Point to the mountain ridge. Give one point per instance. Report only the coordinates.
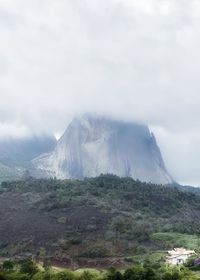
(16, 154)
(116, 216)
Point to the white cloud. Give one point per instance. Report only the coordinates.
(13, 130)
(181, 152)
(131, 59)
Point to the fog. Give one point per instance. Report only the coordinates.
(129, 59)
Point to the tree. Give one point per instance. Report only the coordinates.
(86, 275)
(8, 265)
(29, 267)
(2, 276)
(135, 273)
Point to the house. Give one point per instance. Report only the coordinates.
(179, 256)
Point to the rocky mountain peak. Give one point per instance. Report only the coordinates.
(93, 145)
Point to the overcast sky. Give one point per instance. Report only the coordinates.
(131, 59)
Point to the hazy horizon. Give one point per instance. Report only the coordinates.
(130, 60)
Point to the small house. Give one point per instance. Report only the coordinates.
(179, 256)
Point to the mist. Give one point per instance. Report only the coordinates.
(131, 60)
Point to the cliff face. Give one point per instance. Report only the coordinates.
(92, 146)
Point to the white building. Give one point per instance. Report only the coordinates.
(179, 256)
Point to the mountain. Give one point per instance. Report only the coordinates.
(8, 173)
(21, 151)
(16, 154)
(94, 145)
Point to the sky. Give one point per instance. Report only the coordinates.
(129, 59)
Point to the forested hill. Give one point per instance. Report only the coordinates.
(97, 217)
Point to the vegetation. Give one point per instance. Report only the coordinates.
(103, 217)
(169, 239)
(27, 270)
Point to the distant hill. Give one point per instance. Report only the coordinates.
(95, 217)
(19, 152)
(16, 154)
(9, 173)
(93, 145)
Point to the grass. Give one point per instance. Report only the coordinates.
(79, 271)
(157, 256)
(93, 271)
(172, 239)
(168, 240)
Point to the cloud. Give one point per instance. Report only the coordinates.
(14, 130)
(137, 60)
(181, 153)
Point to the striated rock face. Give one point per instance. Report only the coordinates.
(92, 146)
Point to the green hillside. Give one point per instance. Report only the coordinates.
(97, 218)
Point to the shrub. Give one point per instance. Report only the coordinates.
(8, 265)
(95, 252)
(29, 267)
